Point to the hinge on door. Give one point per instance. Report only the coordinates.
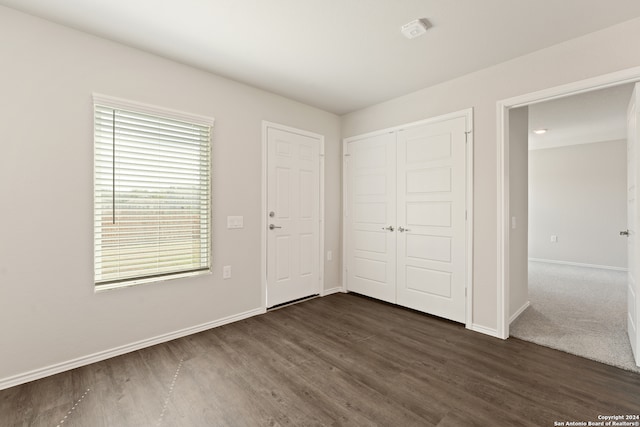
(465, 215)
(466, 137)
(465, 292)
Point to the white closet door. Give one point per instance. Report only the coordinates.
(371, 198)
(431, 218)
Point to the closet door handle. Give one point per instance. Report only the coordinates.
(401, 229)
(390, 228)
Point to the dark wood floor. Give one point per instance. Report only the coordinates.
(338, 360)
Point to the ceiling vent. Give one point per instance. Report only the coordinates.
(414, 28)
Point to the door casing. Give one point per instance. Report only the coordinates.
(633, 245)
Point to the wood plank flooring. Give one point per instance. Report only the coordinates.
(338, 360)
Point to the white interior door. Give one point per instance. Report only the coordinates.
(431, 204)
(293, 204)
(371, 217)
(633, 220)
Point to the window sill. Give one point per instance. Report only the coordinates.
(135, 282)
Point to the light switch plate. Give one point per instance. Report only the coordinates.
(226, 272)
(235, 222)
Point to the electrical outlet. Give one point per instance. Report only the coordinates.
(554, 239)
(329, 255)
(226, 272)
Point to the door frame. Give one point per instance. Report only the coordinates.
(266, 125)
(617, 78)
(468, 115)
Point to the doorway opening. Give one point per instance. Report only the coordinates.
(568, 260)
(511, 226)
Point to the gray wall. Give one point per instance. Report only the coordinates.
(592, 55)
(518, 201)
(578, 193)
(48, 309)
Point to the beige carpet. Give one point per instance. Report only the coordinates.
(578, 310)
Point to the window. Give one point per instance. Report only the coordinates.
(152, 193)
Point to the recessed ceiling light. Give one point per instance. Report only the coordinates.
(540, 131)
(415, 28)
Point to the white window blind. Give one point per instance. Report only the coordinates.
(152, 203)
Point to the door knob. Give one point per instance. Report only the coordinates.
(390, 228)
(401, 229)
(272, 227)
(624, 233)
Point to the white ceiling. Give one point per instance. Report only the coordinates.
(338, 55)
(595, 116)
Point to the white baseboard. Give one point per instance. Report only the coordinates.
(106, 354)
(519, 312)
(484, 330)
(331, 291)
(579, 264)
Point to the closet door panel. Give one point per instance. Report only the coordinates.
(431, 192)
(371, 210)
